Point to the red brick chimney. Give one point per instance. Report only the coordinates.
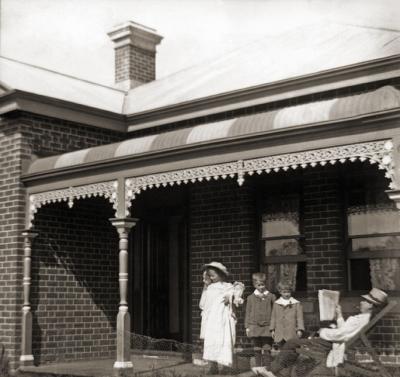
(135, 54)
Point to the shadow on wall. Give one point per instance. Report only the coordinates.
(74, 294)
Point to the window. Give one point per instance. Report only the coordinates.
(373, 252)
(283, 253)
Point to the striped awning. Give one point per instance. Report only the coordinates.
(384, 98)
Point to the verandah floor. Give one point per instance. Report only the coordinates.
(171, 366)
(143, 366)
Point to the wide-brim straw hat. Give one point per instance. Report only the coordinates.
(376, 296)
(219, 266)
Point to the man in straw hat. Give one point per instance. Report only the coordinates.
(285, 362)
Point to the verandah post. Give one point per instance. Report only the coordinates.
(26, 357)
(123, 365)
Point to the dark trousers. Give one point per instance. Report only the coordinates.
(288, 357)
(262, 348)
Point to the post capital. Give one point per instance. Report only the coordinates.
(395, 196)
(124, 223)
(29, 233)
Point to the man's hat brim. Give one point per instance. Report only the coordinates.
(376, 297)
(371, 300)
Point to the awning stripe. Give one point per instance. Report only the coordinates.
(210, 131)
(256, 123)
(134, 146)
(170, 139)
(384, 98)
(104, 152)
(303, 114)
(73, 158)
(381, 99)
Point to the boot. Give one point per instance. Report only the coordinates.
(266, 359)
(213, 368)
(258, 357)
(226, 371)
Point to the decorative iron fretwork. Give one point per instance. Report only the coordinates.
(107, 190)
(376, 152)
(135, 186)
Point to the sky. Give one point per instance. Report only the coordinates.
(70, 36)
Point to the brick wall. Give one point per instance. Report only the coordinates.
(46, 136)
(21, 135)
(74, 282)
(11, 225)
(323, 229)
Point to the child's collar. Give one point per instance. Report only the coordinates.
(258, 294)
(284, 302)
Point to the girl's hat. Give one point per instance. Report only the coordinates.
(376, 296)
(219, 266)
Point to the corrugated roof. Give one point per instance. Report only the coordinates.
(301, 51)
(32, 79)
(384, 98)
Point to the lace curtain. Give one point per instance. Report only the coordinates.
(378, 219)
(280, 224)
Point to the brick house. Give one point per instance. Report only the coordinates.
(281, 157)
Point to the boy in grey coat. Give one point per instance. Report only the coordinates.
(287, 316)
(258, 317)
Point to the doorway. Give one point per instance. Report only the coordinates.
(160, 274)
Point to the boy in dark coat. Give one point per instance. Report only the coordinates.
(258, 317)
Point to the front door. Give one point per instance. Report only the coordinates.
(160, 284)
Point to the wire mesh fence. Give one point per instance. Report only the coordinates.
(188, 354)
(244, 358)
(147, 343)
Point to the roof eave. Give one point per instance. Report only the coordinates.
(279, 135)
(5, 87)
(65, 110)
(373, 70)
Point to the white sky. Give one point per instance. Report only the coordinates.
(70, 36)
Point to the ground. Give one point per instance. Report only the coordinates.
(144, 366)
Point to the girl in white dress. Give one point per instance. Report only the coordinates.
(206, 282)
(218, 318)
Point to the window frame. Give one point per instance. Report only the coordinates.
(367, 255)
(264, 260)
